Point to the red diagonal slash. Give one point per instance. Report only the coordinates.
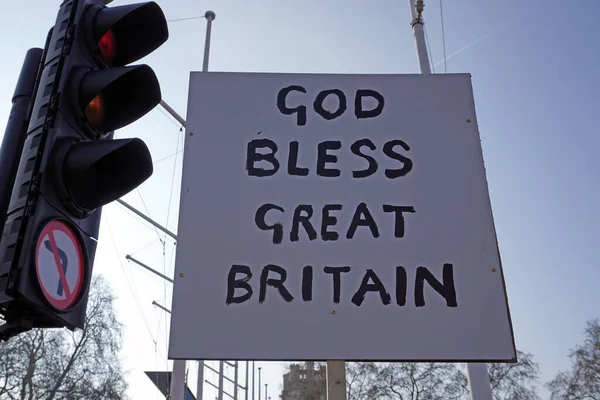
(61, 272)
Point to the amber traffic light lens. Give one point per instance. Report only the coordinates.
(94, 112)
(108, 46)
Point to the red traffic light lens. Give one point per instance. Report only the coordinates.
(95, 111)
(128, 33)
(108, 46)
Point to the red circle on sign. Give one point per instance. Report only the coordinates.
(55, 260)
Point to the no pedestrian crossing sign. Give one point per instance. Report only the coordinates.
(328, 216)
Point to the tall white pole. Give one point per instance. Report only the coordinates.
(479, 381)
(235, 380)
(477, 373)
(247, 383)
(336, 380)
(416, 10)
(259, 382)
(178, 380)
(200, 384)
(221, 372)
(210, 16)
(253, 379)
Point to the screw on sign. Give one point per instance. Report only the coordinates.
(59, 265)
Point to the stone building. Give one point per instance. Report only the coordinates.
(305, 382)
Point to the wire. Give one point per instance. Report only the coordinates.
(165, 301)
(158, 331)
(443, 38)
(172, 255)
(156, 365)
(167, 157)
(173, 178)
(148, 213)
(145, 247)
(169, 118)
(145, 223)
(167, 224)
(429, 50)
(185, 19)
(133, 293)
(165, 292)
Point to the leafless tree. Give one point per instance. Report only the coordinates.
(362, 381)
(515, 381)
(429, 381)
(56, 364)
(405, 381)
(582, 380)
(425, 381)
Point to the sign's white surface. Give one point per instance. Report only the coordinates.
(336, 217)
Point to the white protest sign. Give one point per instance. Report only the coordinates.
(336, 217)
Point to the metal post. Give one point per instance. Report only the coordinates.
(172, 112)
(336, 380)
(477, 373)
(210, 16)
(235, 381)
(259, 382)
(221, 372)
(479, 381)
(178, 380)
(147, 219)
(416, 10)
(247, 383)
(16, 128)
(216, 387)
(178, 376)
(154, 303)
(200, 384)
(141, 264)
(266, 390)
(224, 376)
(253, 379)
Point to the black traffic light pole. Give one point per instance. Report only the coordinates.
(16, 128)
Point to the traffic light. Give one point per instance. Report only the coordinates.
(71, 165)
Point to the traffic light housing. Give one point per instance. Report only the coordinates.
(71, 165)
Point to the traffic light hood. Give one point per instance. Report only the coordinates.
(113, 98)
(98, 172)
(127, 33)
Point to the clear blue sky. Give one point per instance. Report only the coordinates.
(536, 89)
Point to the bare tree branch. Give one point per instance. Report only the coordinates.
(54, 364)
(582, 380)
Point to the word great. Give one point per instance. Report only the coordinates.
(303, 215)
(275, 277)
